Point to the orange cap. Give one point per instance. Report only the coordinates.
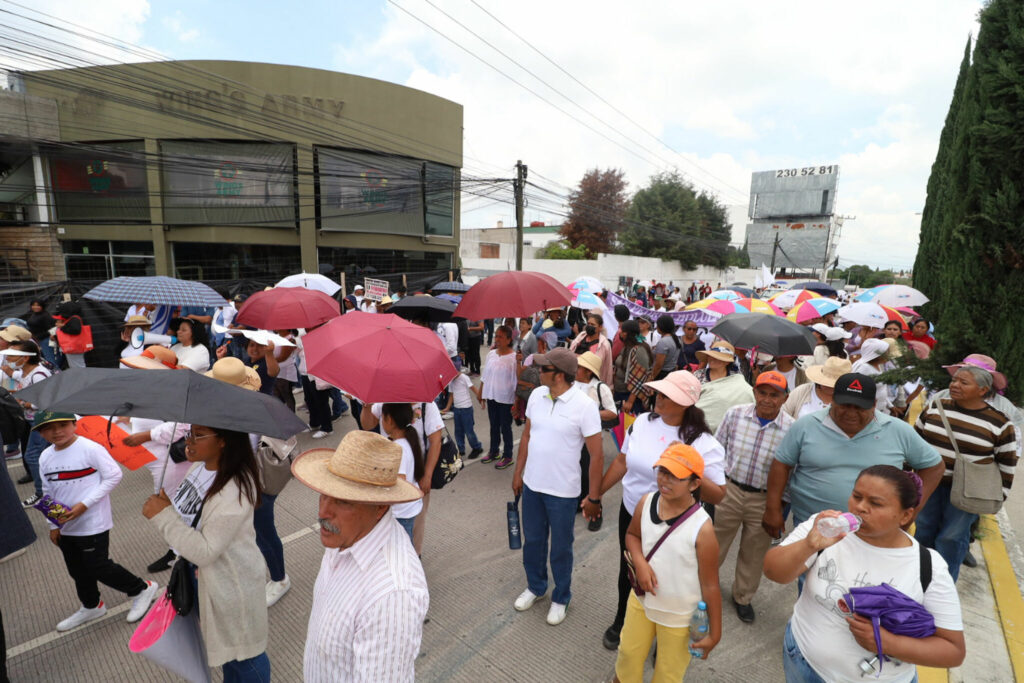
(773, 378)
(681, 460)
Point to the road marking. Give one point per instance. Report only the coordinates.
(1009, 602)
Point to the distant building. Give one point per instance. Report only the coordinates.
(499, 242)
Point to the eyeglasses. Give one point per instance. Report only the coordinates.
(547, 368)
(191, 436)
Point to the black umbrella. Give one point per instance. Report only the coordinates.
(173, 395)
(769, 333)
(456, 287)
(428, 308)
(817, 287)
(745, 291)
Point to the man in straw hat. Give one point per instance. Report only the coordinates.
(370, 596)
(560, 419)
(817, 394)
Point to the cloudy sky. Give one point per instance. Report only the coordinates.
(715, 90)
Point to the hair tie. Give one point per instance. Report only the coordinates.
(918, 485)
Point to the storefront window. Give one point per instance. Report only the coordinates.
(205, 261)
(102, 260)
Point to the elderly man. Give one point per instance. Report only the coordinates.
(370, 596)
(750, 435)
(560, 419)
(824, 452)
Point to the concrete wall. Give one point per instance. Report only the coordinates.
(45, 260)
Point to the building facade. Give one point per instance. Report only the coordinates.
(221, 169)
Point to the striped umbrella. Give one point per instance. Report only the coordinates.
(893, 295)
(811, 309)
(791, 297)
(725, 307)
(725, 294)
(700, 305)
(759, 306)
(156, 289)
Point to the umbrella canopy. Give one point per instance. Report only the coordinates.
(893, 295)
(791, 298)
(311, 281)
(588, 284)
(454, 298)
(701, 305)
(865, 313)
(724, 294)
(812, 308)
(769, 333)
(727, 307)
(287, 308)
(183, 396)
(745, 292)
(759, 306)
(156, 289)
(514, 294)
(429, 308)
(379, 358)
(454, 287)
(819, 287)
(896, 315)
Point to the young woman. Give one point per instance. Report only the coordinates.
(919, 333)
(593, 339)
(222, 548)
(667, 348)
(683, 571)
(498, 392)
(192, 347)
(27, 370)
(396, 420)
(628, 378)
(824, 641)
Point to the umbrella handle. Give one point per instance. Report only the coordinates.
(163, 472)
(126, 406)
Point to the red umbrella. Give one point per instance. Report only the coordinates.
(286, 308)
(379, 358)
(515, 294)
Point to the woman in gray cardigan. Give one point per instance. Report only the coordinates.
(222, 548)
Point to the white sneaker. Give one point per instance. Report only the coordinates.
(525, 600)
(277, 589)
(448, 416)
(556, 613)
(82, 616)
(142, 601)
(319, 434)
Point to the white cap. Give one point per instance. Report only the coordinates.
(830, 333)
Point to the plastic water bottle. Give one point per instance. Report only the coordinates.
(830, 527)
(699, 627)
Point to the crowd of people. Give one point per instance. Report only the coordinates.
(713, 442)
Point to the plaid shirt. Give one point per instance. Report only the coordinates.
(749, 447)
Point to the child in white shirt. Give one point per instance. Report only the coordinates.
(460, 401)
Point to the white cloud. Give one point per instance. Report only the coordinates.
(177, 25)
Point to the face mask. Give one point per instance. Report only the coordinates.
(590, 330)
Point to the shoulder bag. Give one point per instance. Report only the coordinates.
(606, 424)
(180, 587)
(449, 462)
(977, 487)
(631, 571)
(274, 457)
(75, 343)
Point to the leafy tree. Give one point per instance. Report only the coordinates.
(597, 211)
(972, 259)
(561, 250)
(669, 219)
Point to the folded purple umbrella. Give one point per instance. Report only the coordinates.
(892, 610)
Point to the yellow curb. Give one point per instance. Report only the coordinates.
(1009, 602)
(928, 675)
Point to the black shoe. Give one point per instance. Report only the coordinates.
(744, 612)
(27, 479)
(163, 564)
(595, 524)
(475, 453)
(970, 560)
(611, 637)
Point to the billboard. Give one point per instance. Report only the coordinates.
(100, 182)
(801, 244)
(793, 192)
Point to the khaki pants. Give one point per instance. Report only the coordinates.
(420, 525)
(741, 509)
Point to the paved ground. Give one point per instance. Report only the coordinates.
(473, 634)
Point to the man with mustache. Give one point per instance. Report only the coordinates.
(370, 596)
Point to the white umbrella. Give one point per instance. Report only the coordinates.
(894, 295)
(311, 281)
(866, 313)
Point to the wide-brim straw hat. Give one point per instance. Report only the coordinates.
(137, 321)
(720, 350)
(151, 357)
(234, 371)
(362, 469)
(983, 362)
(591, 361)
(141, 362)
(827, 374)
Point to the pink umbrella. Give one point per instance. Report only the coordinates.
(759, 306)
(513, 294)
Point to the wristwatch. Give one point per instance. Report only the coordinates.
(592, 501)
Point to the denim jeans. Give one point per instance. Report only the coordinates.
(49, 352)
(794, 665)
(36, 445)
(253, 670)
(266, 537)
(408, 523)
(946, 528)
(500, 417)
(464, 424)
(547, 516)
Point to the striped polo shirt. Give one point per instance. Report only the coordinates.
(983, 436)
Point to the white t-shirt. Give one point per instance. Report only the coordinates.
(498, 377)
(407, 468)
(813, 405)
(449, 335)
(82, 472)
(38, 375)
(645, 442)
(790, 376)
(462, 391)
(192, 357)
(433, 419)
(820, 628)
(557, 433)
(287, 368)
(190, 493)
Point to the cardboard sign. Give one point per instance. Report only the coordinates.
(94, 428)
(375, 289)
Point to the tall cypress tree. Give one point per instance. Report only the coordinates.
(974, 261)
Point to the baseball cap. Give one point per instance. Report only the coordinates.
(855, 389)
(681, 460)
(561, 358)
(831, 333)
(773, 378)
(47, 416)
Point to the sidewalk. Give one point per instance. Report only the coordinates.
(473, 634)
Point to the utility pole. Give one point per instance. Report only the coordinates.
(775, 247)
(517, 186)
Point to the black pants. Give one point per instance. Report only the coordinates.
(584, 474)
(624, 588)
(88, 562)
(283, 391)
(318, 405)
(473, 354)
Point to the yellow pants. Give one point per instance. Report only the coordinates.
(638, 632)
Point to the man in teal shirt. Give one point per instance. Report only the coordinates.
(822, 454)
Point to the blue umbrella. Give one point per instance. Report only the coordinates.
(157, 289)
(456, 287)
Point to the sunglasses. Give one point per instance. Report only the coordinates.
(547, 368)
